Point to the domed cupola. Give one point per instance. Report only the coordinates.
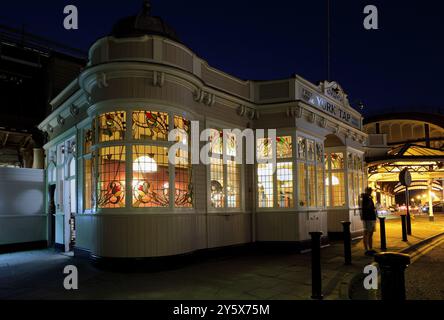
(143, 24)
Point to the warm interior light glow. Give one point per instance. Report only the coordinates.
(284, 174)
(145, 164)
(334, 180)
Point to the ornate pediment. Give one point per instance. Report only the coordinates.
(333, 90)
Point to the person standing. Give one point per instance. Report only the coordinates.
(368, 217)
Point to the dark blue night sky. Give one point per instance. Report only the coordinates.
(396, 68)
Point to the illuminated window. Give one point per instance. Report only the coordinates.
(150, 125)
(312, 185)
(230, 147)
(284, 147)
(265, 185)
(224, 178)
(216, 139)
(351, 189)
(112, 126)
(233, 184)
(264, 148)
(337, 160)
(150, 177)
(185, 126)
(357, 189)
(320, 187)
(183, 197)
(217, 183)
(111, 177)
(337, 189)
(87, 184)
(284, 177)
(302, 180)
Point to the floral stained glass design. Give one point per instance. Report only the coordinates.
(112, 126)
(111, 181)
(150, 177)
(337, 160)
(230, 147)
(284, 147)
(150, 125)
(217, 183)
(216, 140)
(183, 197)
(264, 148)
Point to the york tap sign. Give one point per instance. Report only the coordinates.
(336, 111)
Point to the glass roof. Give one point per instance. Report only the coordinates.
(415, 150)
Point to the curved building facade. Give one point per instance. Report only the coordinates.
(113, 192)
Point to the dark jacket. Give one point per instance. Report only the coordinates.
(368, 208)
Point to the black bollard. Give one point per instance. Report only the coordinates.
(404, 227)
(382, 233)
(347, 242)
(316, 276)
(392, 266)
(408, 224)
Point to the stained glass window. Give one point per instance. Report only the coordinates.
(87, 185)
(111, 177)
(225, 178)
(284, 147)
(185, 125)
(320, 186)
(233, 184)
(217, 183)
(183, 197)
(150, 125)
(302, 179)
(265, 185)
(264, 148)
(284, 175)
(312, 185)
(112, 126)
(150, 176)
(337, 160)
(230, 147)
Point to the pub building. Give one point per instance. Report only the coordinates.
(112, 192)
